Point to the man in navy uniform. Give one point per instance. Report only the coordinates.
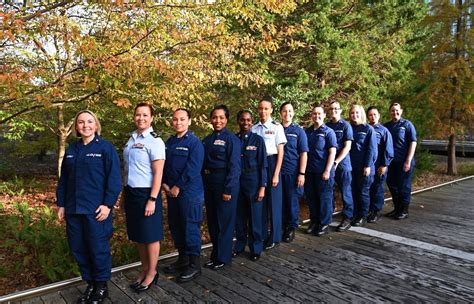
(253, 180)
(384, 158)
(183, 185)
(342, 163)
(292, 170)
(274, 137)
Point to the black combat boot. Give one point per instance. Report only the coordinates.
(101, 293)
(87, 295)
(192, 271)
(180, 264)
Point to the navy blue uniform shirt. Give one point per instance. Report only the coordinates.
(253, 157)
(344, 133)
(90, 177)
(403, 134)
(297, 143)
(222, 151)
(364, 147)
(320, 140)
(385, 146)
(184, 159)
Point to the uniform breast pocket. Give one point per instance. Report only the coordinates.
(401, 133)
(251, 158)
(180, 157)
(69, 161)
(93, 162)
(218, 152)
(320, 143)
(291, 142)
(339, 135)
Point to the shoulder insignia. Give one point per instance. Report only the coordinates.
(154, 134)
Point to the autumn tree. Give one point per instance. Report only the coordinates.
(446, 80)
(70, 55)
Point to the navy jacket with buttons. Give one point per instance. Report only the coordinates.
(254, 158)
(184, 158)
(90, 177)
(364, 147)
(222, 152)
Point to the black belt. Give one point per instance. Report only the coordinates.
(272, 156)
(214, 170)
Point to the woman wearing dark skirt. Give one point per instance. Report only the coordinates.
(144, 156)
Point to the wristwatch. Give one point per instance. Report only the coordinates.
(152, 198)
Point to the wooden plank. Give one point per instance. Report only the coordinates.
(36, 300)
(53, 298)
(71, 294)
(403, 273)
(257, 290)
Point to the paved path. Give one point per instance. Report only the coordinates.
(427, 258)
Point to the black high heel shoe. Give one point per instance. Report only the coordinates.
(136, 284)
(146, 287)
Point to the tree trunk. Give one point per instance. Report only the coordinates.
(452, 167)
(63, 132)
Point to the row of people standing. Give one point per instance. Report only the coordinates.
(247, 184)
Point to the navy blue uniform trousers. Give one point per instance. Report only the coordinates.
(361, 192)
(377, 191)
(220, 217)
(343, 179)
(249, 215)
(320, 196)
(89, 243)
(291, 194)
(399, 184)
(271, 215)
(184, 219)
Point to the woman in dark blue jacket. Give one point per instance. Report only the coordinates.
(221, 173)
(87, 190)
(182, 183)
(363, 156)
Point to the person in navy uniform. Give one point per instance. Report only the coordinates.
(385, 156)
(274, 137)
(400, 171)
(292, 171)
(184, 189)
(253, 180)
(221, 173)
(87, 190)
(144, 157)
(363, 156)
(342, 163)
(319, 184)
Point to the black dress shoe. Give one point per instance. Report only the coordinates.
(272, 245)
(359, 221)
(289, 235)
(344, 225)
(312, 227)
(135, 285)
(87, 295)
(254, 257)
(146, 287)
(192, 271)
(209, 264)
(217, 265)
(323, 229)
(101, 293)
(373, 217)
(402, 214)
(179, 265)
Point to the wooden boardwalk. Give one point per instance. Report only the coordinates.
(427, 258)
